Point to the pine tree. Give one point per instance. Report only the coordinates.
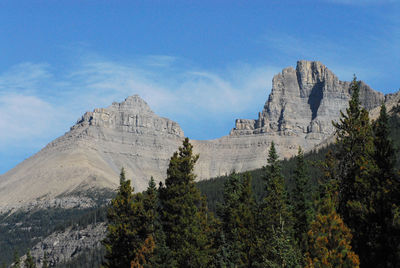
(357, 195)
(238, 222)
(329, 239)
(388, 187)
(275, 212)
(29, 261)
(182, 216)
(128, 226)
(302, 211)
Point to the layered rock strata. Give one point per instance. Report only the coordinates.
(91, 154)
(298, 112)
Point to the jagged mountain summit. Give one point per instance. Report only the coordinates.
(298, 112)
(304, 101)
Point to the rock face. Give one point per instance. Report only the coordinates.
(61, 247)
(298, 112)
(91, 154)
(304, 101)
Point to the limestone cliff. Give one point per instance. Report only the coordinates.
(298, 112)
(304, 101)
(90, 156)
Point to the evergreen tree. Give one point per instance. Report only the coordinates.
(144, 254)
(238, 222)
(357, 192)
(128, 226)
(29, 261)
(283, 252)
(182, 216)
(301, 201)
(162, 255)
(329, 239)
(16, 260)
(387, 232)
(275, 212)
(150, 203)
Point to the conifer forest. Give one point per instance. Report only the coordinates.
(341, 211)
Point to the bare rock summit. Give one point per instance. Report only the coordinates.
(298, 112)
(304, 101)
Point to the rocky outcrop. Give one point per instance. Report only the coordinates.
(61, 247)
(298, 112)
(90, 156)
(303, 103)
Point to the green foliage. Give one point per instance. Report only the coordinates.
(16, 260)
(162, 255)
(238, 216)
(275, 204)
(129, 226)
(357, 199)
(384, 220)
(29, 261)
(386, 232)
(183, 217)
(283, 250)
(301, 201)
(274, 213)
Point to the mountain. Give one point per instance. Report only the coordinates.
(298, 112)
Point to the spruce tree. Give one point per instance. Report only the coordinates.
(162, 255)
(357, 192)
(238, 221)
(387, 188)
(275, 213)
(128, 226)
(182, 214)
(301, 201)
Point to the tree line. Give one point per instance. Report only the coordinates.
(351, 219)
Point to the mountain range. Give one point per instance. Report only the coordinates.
(298, 112)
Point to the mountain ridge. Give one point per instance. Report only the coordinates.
(298, 112)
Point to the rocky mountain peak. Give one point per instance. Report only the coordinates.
(131, 115)
(304, 101)
(299, 111)
(132, 104)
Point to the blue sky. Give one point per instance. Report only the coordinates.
(200, 63)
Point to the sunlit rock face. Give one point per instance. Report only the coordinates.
(298, 112)
(304, 101)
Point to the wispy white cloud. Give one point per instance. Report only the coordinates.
(38, 104)
(25, 119)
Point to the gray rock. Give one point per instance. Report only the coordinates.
(304, 101)
(298, 112)
(61, 247)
